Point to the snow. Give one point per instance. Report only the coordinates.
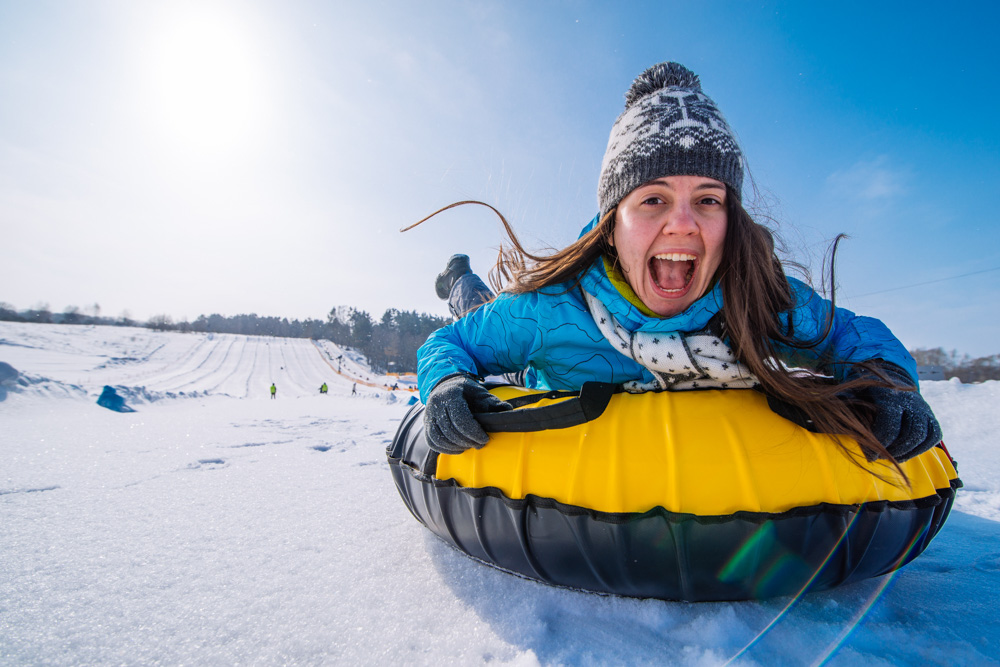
(217, 526)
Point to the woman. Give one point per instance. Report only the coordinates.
(673, 286)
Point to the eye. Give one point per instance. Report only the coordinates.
(710, 200)
(652, 200)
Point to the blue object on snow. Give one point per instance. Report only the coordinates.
(8, 376)
(112, 401)
(412, 401)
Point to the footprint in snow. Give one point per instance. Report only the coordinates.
(7, 492)
(208, 464)
(260, 444)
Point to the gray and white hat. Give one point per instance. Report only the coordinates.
(669, 128)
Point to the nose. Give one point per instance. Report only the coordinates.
(680, 220)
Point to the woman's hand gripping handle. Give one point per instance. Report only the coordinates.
(449, 424)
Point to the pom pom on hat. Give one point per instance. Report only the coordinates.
(670, 127)
(662, 75)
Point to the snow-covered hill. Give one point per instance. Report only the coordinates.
(216, 526)
(147, 365)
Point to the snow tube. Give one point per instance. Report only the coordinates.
(698, 495)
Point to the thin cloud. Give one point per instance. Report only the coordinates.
(868, 181)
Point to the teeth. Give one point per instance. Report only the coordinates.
(677, 257)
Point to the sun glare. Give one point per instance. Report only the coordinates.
(205, 83)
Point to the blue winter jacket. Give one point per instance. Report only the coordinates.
(552, 334)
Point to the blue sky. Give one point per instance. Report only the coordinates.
(199, 157)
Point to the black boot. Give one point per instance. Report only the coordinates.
(457, 267)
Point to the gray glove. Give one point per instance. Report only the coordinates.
(902, 422)
(449, 425)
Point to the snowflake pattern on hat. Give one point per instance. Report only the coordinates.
(669, 127)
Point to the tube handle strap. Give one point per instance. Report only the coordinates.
(586, 405)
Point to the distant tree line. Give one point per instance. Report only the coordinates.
(965, 368)
(71, 315)
(390, 344)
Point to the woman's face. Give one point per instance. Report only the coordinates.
(669, 235)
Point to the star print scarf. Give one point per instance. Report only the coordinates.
(677, 361)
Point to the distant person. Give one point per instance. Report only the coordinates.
(322, 388)
(274, 391)
(354, 389)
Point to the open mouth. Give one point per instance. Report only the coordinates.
(672, 272)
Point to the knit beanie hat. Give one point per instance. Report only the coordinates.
(669, 128)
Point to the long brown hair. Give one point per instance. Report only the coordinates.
(756, 292)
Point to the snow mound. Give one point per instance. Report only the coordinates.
(33, 385)
(144, 395)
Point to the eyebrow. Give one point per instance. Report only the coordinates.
(700, 186)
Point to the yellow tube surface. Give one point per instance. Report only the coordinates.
(707, 453)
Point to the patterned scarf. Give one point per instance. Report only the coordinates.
(677, 361)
